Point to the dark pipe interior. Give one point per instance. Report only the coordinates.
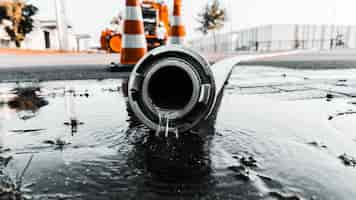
(170, 88)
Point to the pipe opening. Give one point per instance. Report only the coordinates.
(170, 88)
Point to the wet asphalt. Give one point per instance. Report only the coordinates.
(279, 134)
(58, 67)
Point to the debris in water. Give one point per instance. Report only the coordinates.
(84, 94)
(319, 145)
(8, 189)
(4, 161)
(270, 182)
(19, 177)
(4, 150)
(13, 188)
(352, 102)
(74, 125)
(118, 89)
(242, 172)
(249, 162)
(281, 196)
(27, 116)
(59, 143)
(265, 178)
(51, 142)
(349, 112)
(348, 160)
(27, 130)
(329, 97)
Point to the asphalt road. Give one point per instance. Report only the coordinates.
(9, 61)
(94, 66)
(57, 66)
(334, 59)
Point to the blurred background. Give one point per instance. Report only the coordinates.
(247, 25)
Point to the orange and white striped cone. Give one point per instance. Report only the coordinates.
(177, 29)
(134, 45)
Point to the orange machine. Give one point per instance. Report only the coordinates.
(155, 17)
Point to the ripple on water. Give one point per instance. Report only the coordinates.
(109, 158)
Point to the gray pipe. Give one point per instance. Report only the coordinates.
(172, 81)
(177, 83)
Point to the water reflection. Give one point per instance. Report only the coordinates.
(27, 99)
(172, 167)
(110, 159)
(258, 146)
(177, 166)
(23, 101)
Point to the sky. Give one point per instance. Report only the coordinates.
(92, 16)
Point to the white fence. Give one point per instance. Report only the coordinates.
(280, 37)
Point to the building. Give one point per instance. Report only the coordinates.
(281, 37)
(46, 34)
(4, 37)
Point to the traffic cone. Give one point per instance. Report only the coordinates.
(177, 29)
(134, 45)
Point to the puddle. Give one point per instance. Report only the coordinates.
(110, 155)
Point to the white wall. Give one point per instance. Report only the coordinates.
(36, 40)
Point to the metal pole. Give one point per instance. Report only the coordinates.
(78, 44)
(231, 28)
(62, 25)
(322, 39)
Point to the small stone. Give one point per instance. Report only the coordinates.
(241, 172)
(49, 142)
(329, 96)
(249, 162)
(319, 145)
(348, 160)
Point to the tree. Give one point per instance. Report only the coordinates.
(116, 23)
(21, 16)
(212, 18)
(3, 13)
